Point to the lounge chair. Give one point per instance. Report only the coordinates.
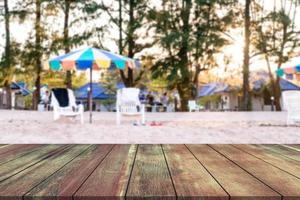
(63, 103)
(291, 103)
(193, 106)
(128, 104)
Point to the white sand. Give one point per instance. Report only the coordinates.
(203, 127)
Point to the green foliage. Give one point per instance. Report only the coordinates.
(275, 34)
(192, 34)
(276, 37)
(129, 17)
(7, 72)
(28, 102)
(79, 80)
(109, 81)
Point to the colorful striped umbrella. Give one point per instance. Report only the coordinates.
(92, 59)
(291, 74)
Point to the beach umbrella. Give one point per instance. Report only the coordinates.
(91, 59)
(291, 74)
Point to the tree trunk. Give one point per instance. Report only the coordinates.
(131, 42)
(277, 95)
(7, 54)
(184, 87)
(120, 28)
(246, 87)
(185, 94)
(127, 80)
(274, 84)
(38, 40)
(66, 41)
(7, 95)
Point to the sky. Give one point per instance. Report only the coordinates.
(235, 50)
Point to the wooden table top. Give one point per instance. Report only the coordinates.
(90, 172)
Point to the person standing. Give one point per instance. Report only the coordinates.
(164, 101)
(150, 101)
(46, 99)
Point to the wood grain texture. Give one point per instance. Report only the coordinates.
(21, 183)
(19, 152)
(239, 184)
(15, 166)
(294, 146)
(110, 178)
(66, 181)
(150, 176)
(283, 150)
(285, 184)
(100, 172)
(272, 158)
(8, 148)
(191, 180)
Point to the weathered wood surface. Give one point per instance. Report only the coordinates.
(295, 146)
(202, 172)
(7, 148)
(15, 166)
(66, 181)
(110, 179)
(282, 182)
(150, 176)
(233, 179)
(284, 163)
(19, 152)
(190, 178)
(283, 150)
(21, 183)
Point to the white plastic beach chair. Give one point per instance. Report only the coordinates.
(128, 104)
(72, 110)
(291, 103)
(193, 106)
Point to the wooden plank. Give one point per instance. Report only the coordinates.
(15, 166)
(191, 179)
(8, 148)
(282, 182)
(150, 176)
(65, 182)
(20, 184)
(238, 183)
(19, 152)
(283, 150)
(296, 146)
(110, 178)
(272, 158)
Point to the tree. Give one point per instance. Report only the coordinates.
(131, 20)
(6, 64)
(38, 52)
(34, 48)
(89, 10)
(66, 38)
(277, 38)
(11, 55)
(246, 86)
(191, 34)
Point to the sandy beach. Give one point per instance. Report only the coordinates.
(200, 128)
